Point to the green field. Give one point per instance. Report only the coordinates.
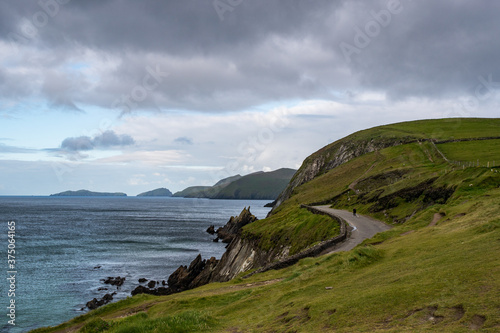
(416, 277)
(487, 152)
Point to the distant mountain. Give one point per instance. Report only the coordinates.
(206, 191)
(86, 193)
(259, 185)
(227, 181)
(193, 192)
(159, 192)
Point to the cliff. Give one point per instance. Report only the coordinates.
(334, 155)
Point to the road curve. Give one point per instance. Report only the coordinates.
(363, 227)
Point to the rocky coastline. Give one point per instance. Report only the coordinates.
(200, 271)
(203, 271)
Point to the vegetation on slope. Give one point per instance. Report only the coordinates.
(437, 270)
(255, 186)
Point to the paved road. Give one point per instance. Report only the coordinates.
(363, 227)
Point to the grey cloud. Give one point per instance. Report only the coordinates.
(108, 139)
(78, 143)
(261, 52)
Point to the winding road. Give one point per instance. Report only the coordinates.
(363, 227)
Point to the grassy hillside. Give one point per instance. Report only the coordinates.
(255, 186)
(437, 270)
(260, 185)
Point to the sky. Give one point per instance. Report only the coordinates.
(129, 96)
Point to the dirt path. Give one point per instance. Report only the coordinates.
(363, 227)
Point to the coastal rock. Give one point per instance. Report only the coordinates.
(95, 303)
(211, 230)
(233, 227)
(151, 284)
(142, 280)
(183, 276)
(114, 281)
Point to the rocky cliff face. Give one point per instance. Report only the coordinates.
(332, 156)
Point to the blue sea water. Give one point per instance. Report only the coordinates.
(66, 246)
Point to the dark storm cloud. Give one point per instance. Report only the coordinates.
(260, 51)
(108, 139)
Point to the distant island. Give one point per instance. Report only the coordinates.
(255, 186)
(159, 192)
(86, 193)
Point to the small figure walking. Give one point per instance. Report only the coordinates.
(354, 212)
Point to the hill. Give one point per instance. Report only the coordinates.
(194, 192)
(255, 186)
(436, 182)
(258, 186)
(159, 192)
(86, 193)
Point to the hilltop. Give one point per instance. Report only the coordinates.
(87, 193)
(255, 186)
(159, 192)
(436, 182)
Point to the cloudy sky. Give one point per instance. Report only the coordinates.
(122, 95)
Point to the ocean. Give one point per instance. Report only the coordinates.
(66, 246)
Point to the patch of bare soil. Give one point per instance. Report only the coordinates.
(436, 218)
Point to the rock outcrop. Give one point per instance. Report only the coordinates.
(232, 229)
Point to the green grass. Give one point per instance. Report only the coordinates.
(412, 278)
(471, 151)
(297, 228)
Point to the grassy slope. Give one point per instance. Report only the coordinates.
(414, 277)
(263, 185)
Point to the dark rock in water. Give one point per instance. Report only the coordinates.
(164, 283)
(142, 280)
(215, 240)
(95, 303)
(151, 284)
(211, 230)
(140, 290)
(102, 288)
(271, 204)
(114, 281)
(97, 267)
(233, 227)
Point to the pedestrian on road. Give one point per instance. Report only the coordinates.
(354, 212)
